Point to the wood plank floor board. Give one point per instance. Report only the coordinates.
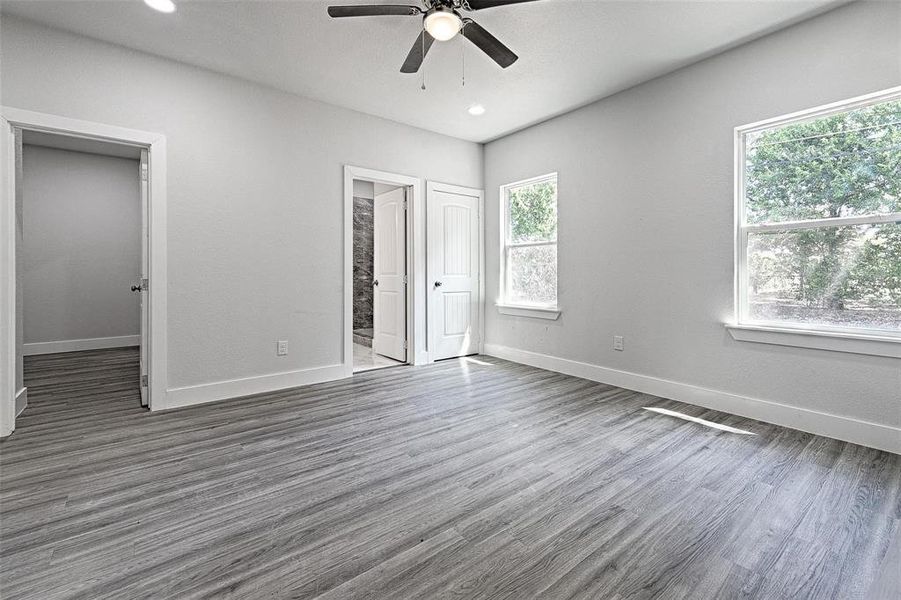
(464, 479)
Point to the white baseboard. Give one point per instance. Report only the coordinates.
(78, 345)
(21, 400)
(236, 388)
(846, 429)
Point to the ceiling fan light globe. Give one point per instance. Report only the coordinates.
(442, 25)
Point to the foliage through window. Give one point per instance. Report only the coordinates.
(529, 223)
(820, 220)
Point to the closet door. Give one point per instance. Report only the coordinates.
(453, 269)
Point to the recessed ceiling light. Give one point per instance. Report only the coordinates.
(164, 6)
(476, 110)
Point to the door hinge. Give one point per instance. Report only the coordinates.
(405, 205)
(405, 344)
(145, 284)
(143, 171)
(405, 280)
(143, 381)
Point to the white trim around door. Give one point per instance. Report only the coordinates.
(432, 188)
(8, 391)
(157, 295)
(417, 353)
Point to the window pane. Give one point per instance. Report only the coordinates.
(842, 165)
(533, 212)
(532, 275)
(843, 276)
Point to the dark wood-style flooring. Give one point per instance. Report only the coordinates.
(473, 478)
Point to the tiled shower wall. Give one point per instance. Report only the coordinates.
(363, 262)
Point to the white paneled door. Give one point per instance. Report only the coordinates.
(453, 271)
(389, 279)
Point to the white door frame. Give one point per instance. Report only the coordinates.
(431, 188)
(157, 295)
(417, 353)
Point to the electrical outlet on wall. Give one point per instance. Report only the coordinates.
(282, 349)
(618, 342)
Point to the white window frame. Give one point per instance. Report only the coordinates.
(540, 311)
(824, 337)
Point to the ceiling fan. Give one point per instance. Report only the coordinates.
(441, 20)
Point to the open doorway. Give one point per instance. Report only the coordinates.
(146, 286)
(380, 279)
(81, 270)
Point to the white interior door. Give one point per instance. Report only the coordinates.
(389, 286)
(453, 272)
(143, 278)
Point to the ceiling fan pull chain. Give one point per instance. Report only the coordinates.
(422, 42)
(463, 52)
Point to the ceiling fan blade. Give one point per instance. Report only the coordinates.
(488, 44)
(480, 4)
(374, 10)
(417, 52)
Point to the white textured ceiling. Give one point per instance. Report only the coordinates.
(571, 51)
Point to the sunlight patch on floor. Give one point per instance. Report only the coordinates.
(678, 415)
(476, 361)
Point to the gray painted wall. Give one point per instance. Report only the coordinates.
(646, 207)
(82, 245)
(255, 192)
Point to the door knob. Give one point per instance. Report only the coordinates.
(375, 282)
(136, 288)
(438, 284)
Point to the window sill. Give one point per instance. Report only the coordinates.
(855, 343)
(536, 312)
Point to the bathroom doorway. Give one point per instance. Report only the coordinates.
(380, 277)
